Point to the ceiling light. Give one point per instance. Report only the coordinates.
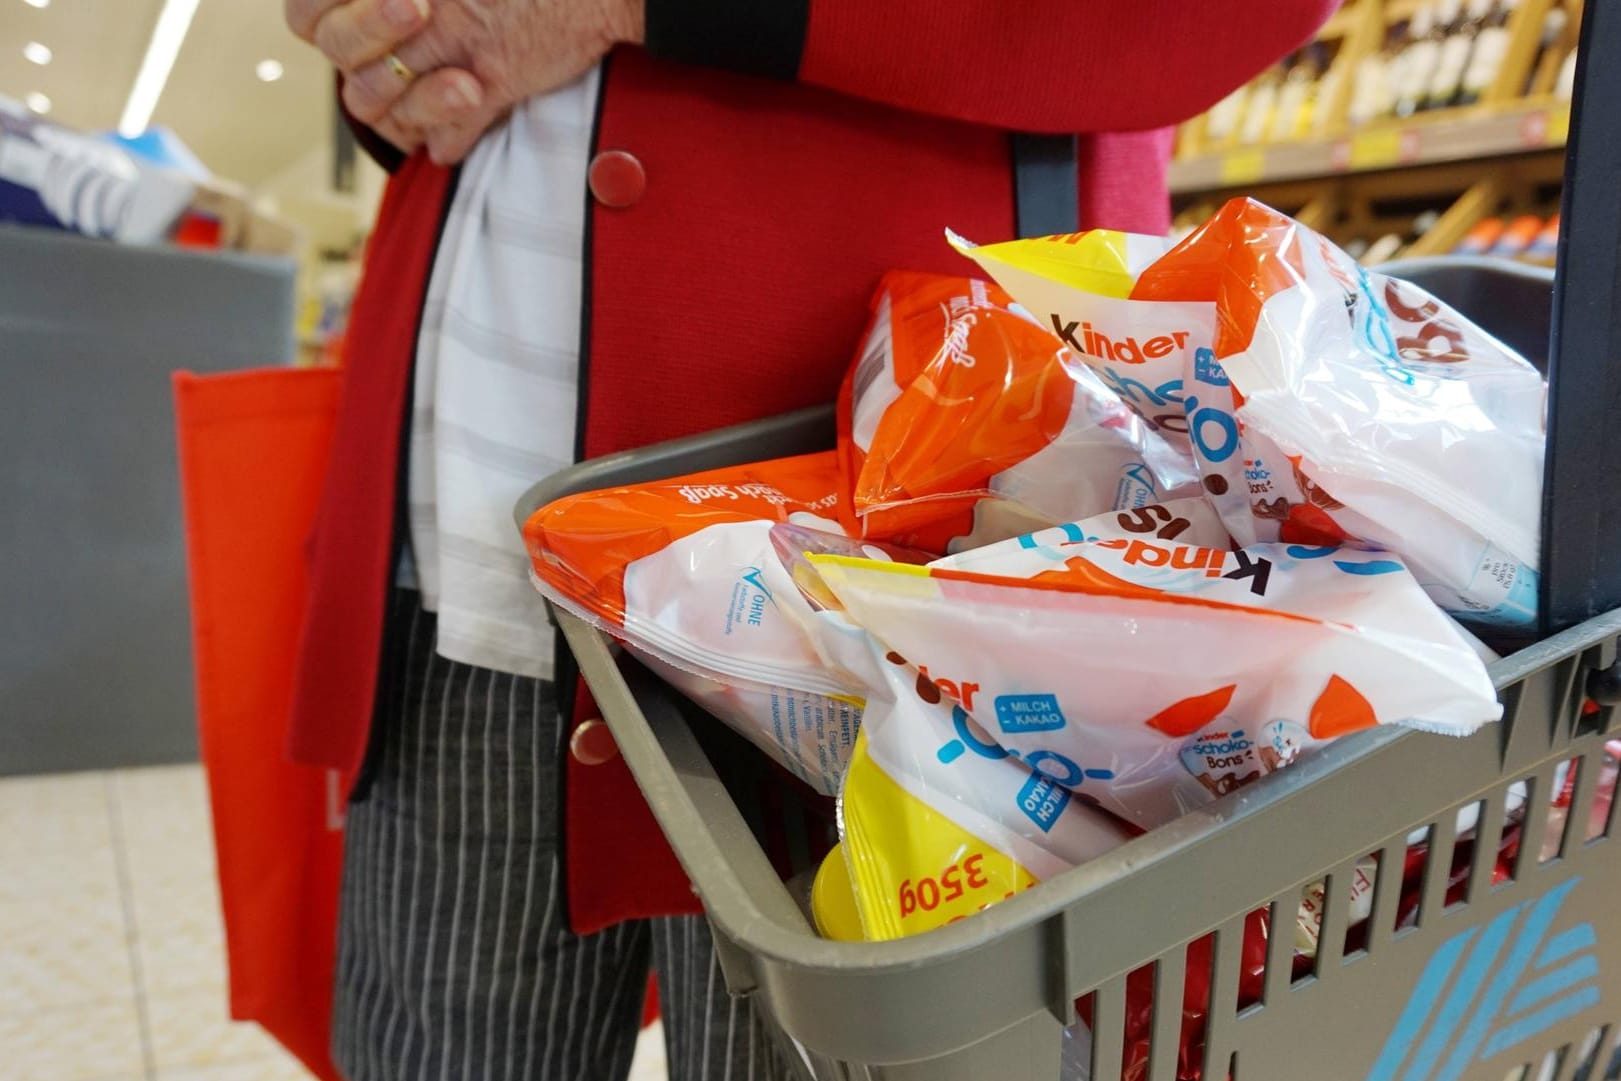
(167, 37)
(38, 3)
(37, 53)
(37, 102)
(268, 70)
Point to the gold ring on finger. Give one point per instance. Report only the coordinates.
(400, 68)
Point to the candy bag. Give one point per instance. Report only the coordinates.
(1342, 404)
(939, 822)
(1086, 288)
(683, 571)
(1324, 403)
(1185, 521)
(964, 422)
(936, 821)
(911, 865)
(1153, 676)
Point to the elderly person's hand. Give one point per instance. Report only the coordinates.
(441, 77)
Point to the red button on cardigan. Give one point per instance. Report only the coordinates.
(617, 179)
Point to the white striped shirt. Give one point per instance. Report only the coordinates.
(497, 374)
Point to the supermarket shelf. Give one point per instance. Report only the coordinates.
(1454, 135)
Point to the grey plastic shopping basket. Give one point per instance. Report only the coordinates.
(1519, 979)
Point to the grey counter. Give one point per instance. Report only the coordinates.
(94, 635)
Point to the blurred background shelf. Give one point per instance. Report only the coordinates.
(1404, 128)
(1432, 138)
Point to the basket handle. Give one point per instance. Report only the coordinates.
(1581, 508)
(1046, 184)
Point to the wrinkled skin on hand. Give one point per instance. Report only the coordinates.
(472, 60)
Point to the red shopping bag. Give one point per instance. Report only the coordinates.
(253, 452)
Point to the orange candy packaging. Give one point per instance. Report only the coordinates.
(683, 571)
(964, 422)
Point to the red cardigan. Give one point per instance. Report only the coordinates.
(734, 284)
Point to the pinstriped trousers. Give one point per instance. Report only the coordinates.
(455, 960)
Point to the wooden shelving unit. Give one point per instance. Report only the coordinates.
(1451, 135)
(1500, 156)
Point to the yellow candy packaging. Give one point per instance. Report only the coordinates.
(938, 821)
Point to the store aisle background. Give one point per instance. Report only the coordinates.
(112, 960)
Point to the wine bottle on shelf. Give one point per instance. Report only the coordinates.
(1519, 235)
(1291, 119)
(1564, 87)
(1225, 115)
(1447, 82)
(1372, 86)
(1545, 248)
(1481, 237)
(1553, 32)
(1383, 250)
(1262, 103)
(1423, 223)
(1491, 45)
(1453, 55)
(1320, 108)
(1418, 61)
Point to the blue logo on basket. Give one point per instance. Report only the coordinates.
(1028, 712)
(1489, 989)
(1043, 799)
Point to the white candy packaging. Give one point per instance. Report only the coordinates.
(1324, 403)
(938, 822)
(1149, 675)
(684, 573)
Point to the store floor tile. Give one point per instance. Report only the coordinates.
(85, 1042)
(112, 958)
(64, 939)
(278, 1069)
